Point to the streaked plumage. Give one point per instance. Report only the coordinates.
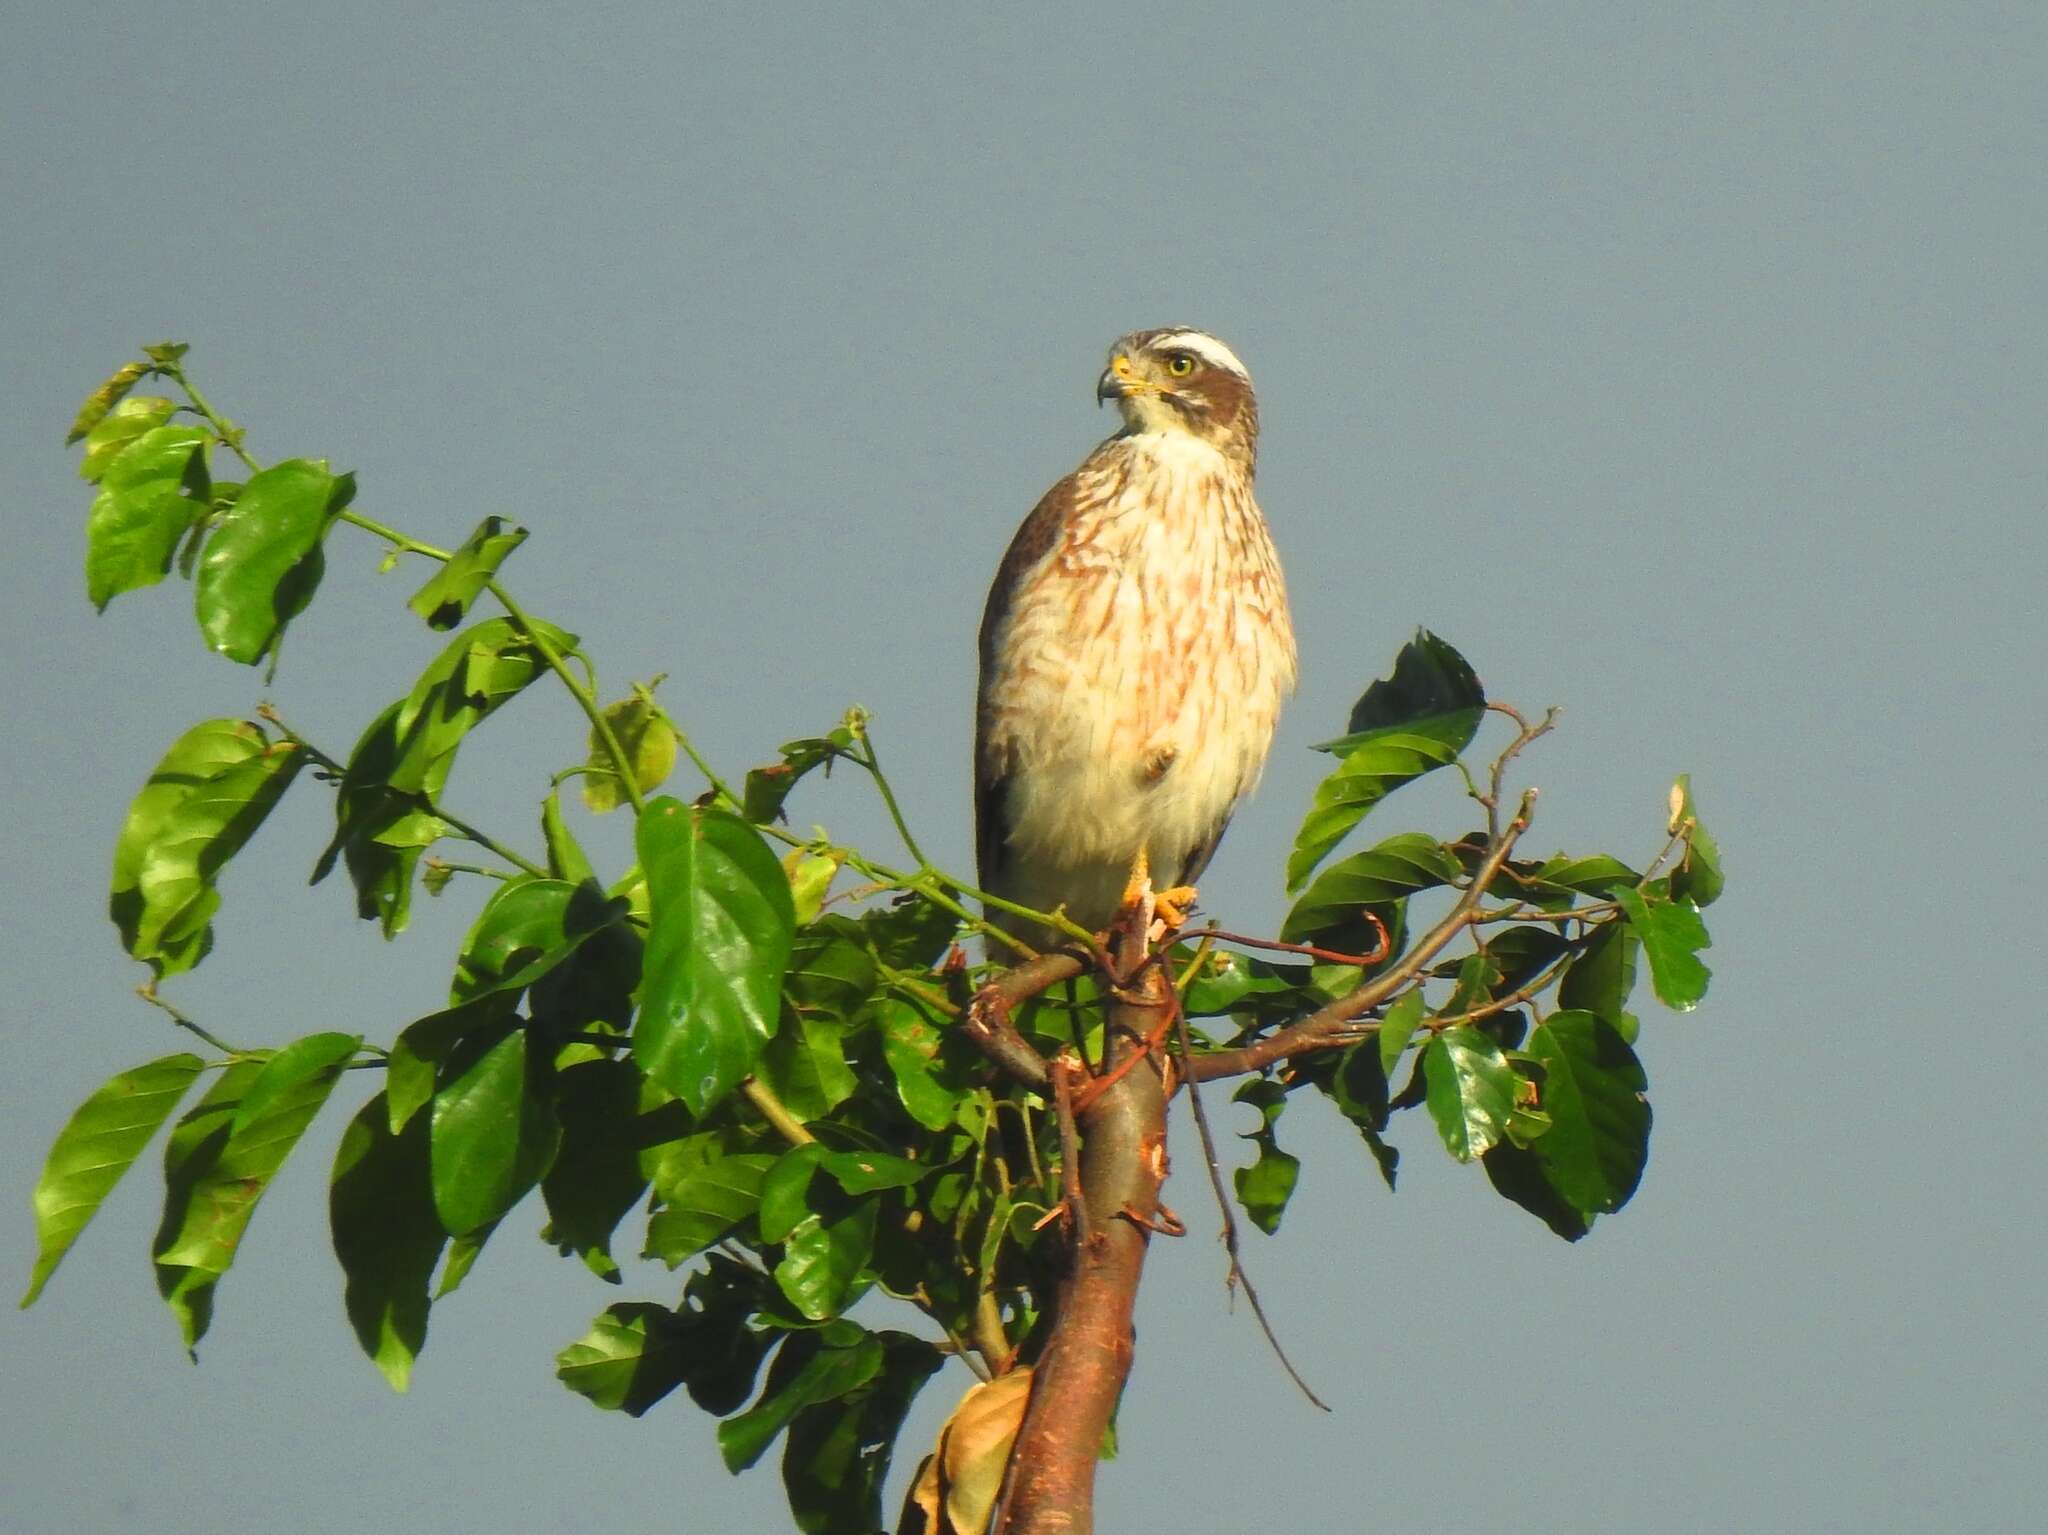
(1136, 647)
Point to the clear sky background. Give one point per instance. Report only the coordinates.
(1681, 364)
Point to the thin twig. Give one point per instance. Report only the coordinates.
(1327, 1024)
(147, 991)
(1328, 956)
(1237, 1274)
(1070, 1147)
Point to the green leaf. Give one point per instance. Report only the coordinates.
(105, 398)
(810, 881)
(1431, 684)
(107, 439)
(477, 673)
(201, 754)
(804, 1064)
(786, 1191)
(262, 561)
(528, 927)
(1471, 1090)
(1516, 1174)
(1406, 725)
(368, 811)
(1594, 1091)
(765, 788)
(810, 1367)
(1397, 1027)
(822, 1260)
(723, 929)
(444, 601)
(494, 1131)
(386, 1236)
(1599, 876)
(703, 1201)
(148, 498)
(866, 1172)
(221, 1158)
(634, 1355)
(837, 1455)
(1672, 934)
(911, 1042)
(98, 1144)
(1698, 876)
(649, 742)
(1396, 868)
(596, 1178)
(1265, 1187)
(173, 899)
(1600, 980)
(418, 1053)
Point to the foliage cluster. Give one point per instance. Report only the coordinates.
(746, 1063)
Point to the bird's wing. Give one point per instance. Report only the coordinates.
(1034, 542)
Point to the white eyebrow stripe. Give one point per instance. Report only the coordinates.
(1204, 346)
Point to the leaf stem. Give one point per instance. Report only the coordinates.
(147, 991)
(869, 760)
(772, 1109)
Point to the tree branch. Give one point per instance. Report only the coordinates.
(1327, 1025)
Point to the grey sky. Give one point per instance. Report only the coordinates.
(1682, 365)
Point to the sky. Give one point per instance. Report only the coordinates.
(1683, 366)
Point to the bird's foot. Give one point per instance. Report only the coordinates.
(1171, 907)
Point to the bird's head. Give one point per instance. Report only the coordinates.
(1181, 380)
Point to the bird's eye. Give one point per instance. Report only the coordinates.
(1180, 364)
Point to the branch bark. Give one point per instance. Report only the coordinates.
(1080, 1375)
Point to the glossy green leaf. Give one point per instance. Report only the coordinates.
(527, 928)
(1397, 1027)
(1594, 1091)
(262, 560)
(386, 1236)
(1698, 876)
(1395, 868)
(786, 1197)
(418, 1053)
(1471, 1090)
(836, 1458)
(200, 755)
(911, 1041)
(174, 872)
(148, 498)
(823, 1257)
(1366, 776)
(866, 1172)
(805, 1065)
(649, 742)
(723, 928)
(1672, 934)
(463, 1251)
(704, 1201)
(105, 398)
(1599, 876)
(444, 601)
(494, 1132)
(810, 1367)
(477, 673)
(1603, 976)
(370, 819)
(810, 881)
(596, 1179)
(634, 1355)
(1517, 1174)
(1431, 690)
(221, 1158)
(107, 439)
(97, 1145)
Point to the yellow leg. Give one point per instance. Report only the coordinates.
(1170, 906)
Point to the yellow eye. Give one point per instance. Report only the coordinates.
(1180, 364)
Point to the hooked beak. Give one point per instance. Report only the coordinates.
(1120, 382)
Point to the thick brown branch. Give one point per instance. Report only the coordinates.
(1080, 1375)
(1328, 1025)
(987, 1022)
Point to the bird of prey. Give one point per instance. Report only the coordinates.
(1136, 647)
